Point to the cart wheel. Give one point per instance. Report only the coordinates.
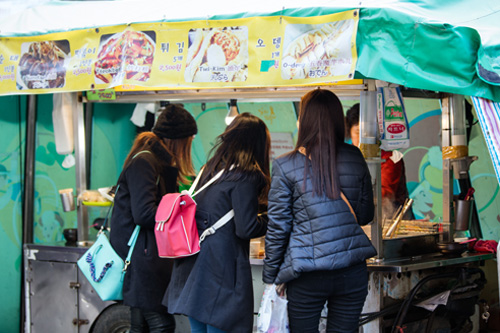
(114, 319)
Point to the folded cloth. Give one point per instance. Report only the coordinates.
(486, 246)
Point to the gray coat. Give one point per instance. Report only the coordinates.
(308, 232)
(215, 286)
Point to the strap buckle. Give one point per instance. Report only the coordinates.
(207, 232)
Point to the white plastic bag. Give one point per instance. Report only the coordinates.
(273, 315)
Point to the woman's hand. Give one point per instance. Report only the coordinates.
(280, 289)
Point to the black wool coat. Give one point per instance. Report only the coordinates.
(141, 186)
(215, 286)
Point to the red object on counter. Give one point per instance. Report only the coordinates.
(393, 179)
(486, 246)
(469, 194)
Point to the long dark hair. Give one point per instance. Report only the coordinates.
(178, 149)
(245, 146)
(321, 132)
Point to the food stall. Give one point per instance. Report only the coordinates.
(276, 56)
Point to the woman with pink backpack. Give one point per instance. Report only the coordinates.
(214, 287)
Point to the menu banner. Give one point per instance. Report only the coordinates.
(247, 52)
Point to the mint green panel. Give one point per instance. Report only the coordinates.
(210, 119)
(278, 116)
(12, 140)
(112, 137)
(483, 179)
(50, 177)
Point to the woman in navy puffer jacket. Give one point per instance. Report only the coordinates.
(314, 242)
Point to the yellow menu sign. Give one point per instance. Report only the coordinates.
(247, 52)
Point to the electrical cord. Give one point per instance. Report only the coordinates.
(408, 300)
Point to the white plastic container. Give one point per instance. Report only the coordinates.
(62, 118)
(368, 117)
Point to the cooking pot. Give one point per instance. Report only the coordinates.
(452, 247)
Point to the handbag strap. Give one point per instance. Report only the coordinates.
(131, 244)
(135, 233)
(118, 186)
(349, 205)
(217, 225)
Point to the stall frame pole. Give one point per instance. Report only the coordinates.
(447, 234)
(28, 202)
(80, 171)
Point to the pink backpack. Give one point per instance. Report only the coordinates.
(176, 232)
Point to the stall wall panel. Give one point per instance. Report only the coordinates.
(424, 159)
(210, 120)
(484, 180)
(12, 138)
(50, 176)
(279, 117)
(112, 136)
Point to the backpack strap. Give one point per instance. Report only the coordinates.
(217, 225)
(207, 184)
(223, 220)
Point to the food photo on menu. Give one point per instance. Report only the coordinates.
(127, 55)
(317, 50)
(42, 65)
(217, 55)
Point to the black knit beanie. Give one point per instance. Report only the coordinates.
(175, 122)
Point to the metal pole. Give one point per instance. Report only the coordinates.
(28, 201)
(89, 114)
(447, 235)
(29, 170)
(81, 171)
(374, 165)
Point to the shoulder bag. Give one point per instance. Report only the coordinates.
(102, 266)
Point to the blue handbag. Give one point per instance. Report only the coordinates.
(104, 268)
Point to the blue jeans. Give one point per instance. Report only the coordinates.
(156, 322)
(344, 289)
(199, 327)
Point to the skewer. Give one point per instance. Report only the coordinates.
(392, 230)
(407, 205)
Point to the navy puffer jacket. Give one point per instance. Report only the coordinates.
(308, 232)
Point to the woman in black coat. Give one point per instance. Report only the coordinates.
(157, 163)
(214, 287)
